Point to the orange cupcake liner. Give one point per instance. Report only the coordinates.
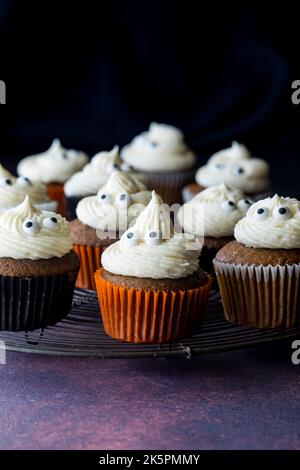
(56, 192)
(90, 261)
(150, 316)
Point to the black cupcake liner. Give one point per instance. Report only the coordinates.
(27, 304)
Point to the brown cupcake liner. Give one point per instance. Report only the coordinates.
(169, 185)
(260, 296)
(90, 261)
(56, 192)
(31, 303)
(150, 316)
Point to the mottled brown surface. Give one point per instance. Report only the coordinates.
(85, 235)
(195, 280)
(39, 268)
(236, 253)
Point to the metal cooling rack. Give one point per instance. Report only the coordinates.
(81, 334)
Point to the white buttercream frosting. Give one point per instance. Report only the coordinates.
(95, 174)
(29, 233)
(271, 223)
(13, 191)
(117, 204)
(214, 212)
(151, 249)
(55, 165)
(161, 148)
(235, 167)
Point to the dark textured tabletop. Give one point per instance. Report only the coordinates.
(247, 399)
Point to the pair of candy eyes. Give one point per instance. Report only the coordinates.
(280, 213)
(115, 167)
(21, 181)
(132, 237)
(31, 226)
(236, 170)
(230, 206)
(122, 199)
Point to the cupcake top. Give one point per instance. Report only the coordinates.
(214, 212)
(235, 167)
(55, 165)
(13, 191)
(116, 205)
(161, 148)
(271, 223)
(151, 249)
(95, 174)
(29, 233)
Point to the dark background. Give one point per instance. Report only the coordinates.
(96, 73)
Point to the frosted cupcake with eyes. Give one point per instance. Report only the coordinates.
(94, 175)
(259, 272)
(38, 268)
(102, 218)
(212, 216)
(235, 167)
(151, 289)
(162, 156)
(13, 191)
(53, 168)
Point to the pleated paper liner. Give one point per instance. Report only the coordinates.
(260, 296)
(90, 261)
(56, 192)
(150, 316)
(30, 303)
(169, 184)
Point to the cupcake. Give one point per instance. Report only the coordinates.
(163, 157)
(212, 215)
(102, 218)
(259, 272)
(151, 289)
(13, 191)
(94, 175)
(53, 168)
(236, 168)
(38, 268)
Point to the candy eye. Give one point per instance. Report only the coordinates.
(51, 223)
(131, 237)
(123, 199)
(153, 144)
(6, 182)
(153, 237)
(64, 156)
(262, 213)
(282, 213)
(244, 204)
(23, 181)
(220, 166)
(228, 206)
(105, 198)
(126, 167)
(30, 226)
(238, 170)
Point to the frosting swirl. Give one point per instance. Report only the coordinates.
(271, 223)
(161, 148)
(151, 249)
(28, 233)
(116, 205)
(95, 174)
(13, 191)
(55, 165)
(235, 167)
(214, 212)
